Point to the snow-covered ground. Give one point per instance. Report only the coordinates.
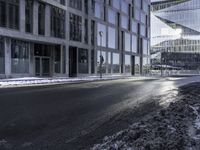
(176, 127)
(32, 81)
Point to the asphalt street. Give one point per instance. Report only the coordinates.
(76, 116)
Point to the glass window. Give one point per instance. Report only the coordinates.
(124, 7)
(145, 47)
(19, 57)
(127, 64)
(3, 13)
(98, 10)
(2, 59)
(124, 22)
(86, 31)
(57, 22)
(111, 16)
(83, 61)
(29, 15)
(109, 62)
(77, 4)
(146, 66)
(137, 14)
(137, 65)
(116, 63)
(41, 19)
(57, 60)
(134, 26)
(142, 30)
(116, 4)
(13, 7)
(75, 27)
(111, 37)
(101, 27)
(127, 42)
(98, 61)
(134, 44)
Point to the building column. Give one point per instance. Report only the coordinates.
(7, 57)
(22, 16)
(35, 17)
(47, 20)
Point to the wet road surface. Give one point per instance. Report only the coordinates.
(76, 116)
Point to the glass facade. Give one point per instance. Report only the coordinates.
(19, 57)
(98, 61)
(175, 39)
(111, 16)
(127, 42)
(57, 59)
(77, 4)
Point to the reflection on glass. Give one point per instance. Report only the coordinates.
(127, 42)
(111, 38)
(127, 64)
(137, 65)
(98, 62)
(116, 64)
(101, 27)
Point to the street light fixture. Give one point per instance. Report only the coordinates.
(101, 57)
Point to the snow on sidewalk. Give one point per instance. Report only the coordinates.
(31, 81)
(176, 127)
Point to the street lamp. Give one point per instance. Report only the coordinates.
(101, 57)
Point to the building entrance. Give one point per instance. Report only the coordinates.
(42, 60)
(72, 61)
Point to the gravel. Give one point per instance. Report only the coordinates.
(176, 127)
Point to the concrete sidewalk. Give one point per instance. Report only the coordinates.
(36, 81)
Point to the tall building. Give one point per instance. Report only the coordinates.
(175, 34)
(62, 37)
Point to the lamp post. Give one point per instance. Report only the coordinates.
(101, 57)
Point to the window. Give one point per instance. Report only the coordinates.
(19, 57)
(101, 28)
(2, 59)
(109, 63)
(86, 31)
(111, 16)
(92, 31)
(116, 4)
(137, 65)
(124, 22)
(134, 44)
(127, 64)
(41, 19)
(2, 13)
(75, 28)
(62, 2)
(86, 6)
(29, 15)
(77, 4)
(83, 61)
(97, 10)
(92, 62)
(124, 7)
(13, 7)
(9, 13)
(111, 37)
(98, 61)
(57, 22)
(116, 64)
(127, 42)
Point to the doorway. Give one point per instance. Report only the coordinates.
(42, 66)
(72, 61)
(42, 60)
(132, 65)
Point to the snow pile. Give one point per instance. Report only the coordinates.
(28, 81)
(176, 127)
